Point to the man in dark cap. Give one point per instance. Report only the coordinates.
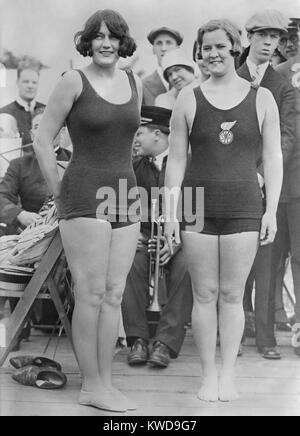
(288, 235)
(163, 39)
(264, 31)
(151, 143)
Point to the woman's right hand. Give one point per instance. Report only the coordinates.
(268, 228)
(172, 233)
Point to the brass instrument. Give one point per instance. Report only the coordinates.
(157, 284)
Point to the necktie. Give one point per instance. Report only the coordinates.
(30, 107)
(256, 79)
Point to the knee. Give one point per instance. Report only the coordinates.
(205, 294)
(89, 290)
(231, 294)
(114, 294)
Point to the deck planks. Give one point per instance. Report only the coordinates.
(267, 388)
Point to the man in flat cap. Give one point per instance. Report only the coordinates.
(152, 145)
(264, 31)
(162, 40)
(288, 235)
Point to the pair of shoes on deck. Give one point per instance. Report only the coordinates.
(160, 355)
(40, 372)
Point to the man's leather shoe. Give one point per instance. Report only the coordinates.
(40, 377)
(270, 353)
(160, 355)
(21, 361)
(139, 353)
(283, 326)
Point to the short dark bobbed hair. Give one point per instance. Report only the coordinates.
(115, 24)
(228, 27)
(196, 56)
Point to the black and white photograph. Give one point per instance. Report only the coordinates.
(149, 210)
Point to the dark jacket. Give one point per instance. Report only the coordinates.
(23, 118)
(23, 187)
(152, 87)
(147, 176)
(283, 94)
(290, 71)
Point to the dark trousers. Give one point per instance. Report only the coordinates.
(174, 315)
(268, 263)
(264, 296)
(288, 239)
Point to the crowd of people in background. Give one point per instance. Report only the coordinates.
(186, 96)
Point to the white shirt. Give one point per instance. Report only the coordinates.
(257, 72)
(28, 106)
(158, 160)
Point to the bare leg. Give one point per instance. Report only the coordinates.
(87, 245)
(203, 263)
(122, 251)
(237, 253)
(82, 238)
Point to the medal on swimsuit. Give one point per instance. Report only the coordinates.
(226, 137)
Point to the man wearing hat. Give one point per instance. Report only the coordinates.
(264, 31)
(162, 40)
(288, 235)
(151, 143)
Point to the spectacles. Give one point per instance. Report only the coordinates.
(293, 39)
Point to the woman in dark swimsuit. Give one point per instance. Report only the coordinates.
(228, 124)
(101, 106)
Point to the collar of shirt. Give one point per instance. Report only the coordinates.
(158, 160)
(29, 107)
(257, 71)
(160, 73)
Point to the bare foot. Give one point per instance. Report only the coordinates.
(227, 389)
(129, 404)
(209, 389)
(105, 399)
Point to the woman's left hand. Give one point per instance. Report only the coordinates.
(268, 228)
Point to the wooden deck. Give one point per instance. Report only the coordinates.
(267, 388)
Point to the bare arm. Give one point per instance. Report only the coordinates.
(177, 160)
(139, 86)
(57, 110)
(272, 162)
